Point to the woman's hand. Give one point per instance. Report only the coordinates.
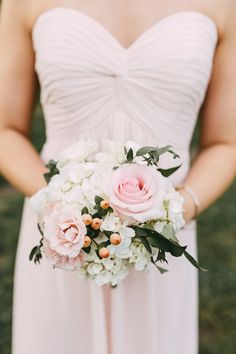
(189, 206)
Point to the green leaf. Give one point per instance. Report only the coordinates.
(163, 149)
(169, 232)
(52, 167)
(162, 270)
(194, 262)
(174, 154)
(166, 245)
(39, 228)
(107, 233)
(98, 199)
(176, 250)
(87, 249)
(169, 171)
(92, 233)
(84, 210)
(109, 210)
(32, 253)
(130, 155)
(145, 150)
(139, 231)
(154, 155)
(159, 243)
(101, 212)
(145, 243)
(36, 254)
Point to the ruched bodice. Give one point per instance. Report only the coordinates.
(91, 83)
(150, 92)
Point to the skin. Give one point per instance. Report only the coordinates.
(214, 167)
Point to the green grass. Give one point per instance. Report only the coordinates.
(216, 235)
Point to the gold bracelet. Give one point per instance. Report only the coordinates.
(193, 196)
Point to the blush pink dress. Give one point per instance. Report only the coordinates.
(150, 92)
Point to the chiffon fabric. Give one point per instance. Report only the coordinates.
(94, 87)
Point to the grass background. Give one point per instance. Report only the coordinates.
(216, 235)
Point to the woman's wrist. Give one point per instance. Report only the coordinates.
(191, 202)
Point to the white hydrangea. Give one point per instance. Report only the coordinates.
(79, 151)
(123, 249)
(39, 200)
(139, 256)
(75, 172)
(111, 222)
(114, 151)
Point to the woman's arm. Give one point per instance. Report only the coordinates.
(214, 167)
(19, 161)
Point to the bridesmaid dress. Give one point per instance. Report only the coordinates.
(150, 92)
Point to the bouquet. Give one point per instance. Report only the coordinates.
(104, 212)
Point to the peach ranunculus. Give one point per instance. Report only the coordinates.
(136, 192)
(65, 230)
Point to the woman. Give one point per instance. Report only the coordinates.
(121, 70)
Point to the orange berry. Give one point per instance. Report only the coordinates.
(104, 204)
(87, 219)
(104, 252)
(115, 239)
(87, 241)
(96, 223)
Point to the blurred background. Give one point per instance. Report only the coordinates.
(216, 242)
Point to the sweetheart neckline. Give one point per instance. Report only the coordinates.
(109, 33)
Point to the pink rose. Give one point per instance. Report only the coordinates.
(64, 230)
(63, 262)
(136, 192)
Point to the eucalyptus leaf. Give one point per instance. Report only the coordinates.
(169, 232)
(145, 243)
(40, 229)
(169, 171)
(145, 150)
(154, 155)
(162, 270)
(32, 253)
(139, 231)
(163, 150)
(176, 250)
(194, 262)
(174, 154)
(161, 242)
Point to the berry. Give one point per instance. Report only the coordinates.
(87, 219)
(87, 241)
(96, 223)
(104, 252)
(104, 204)
(115, 239)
